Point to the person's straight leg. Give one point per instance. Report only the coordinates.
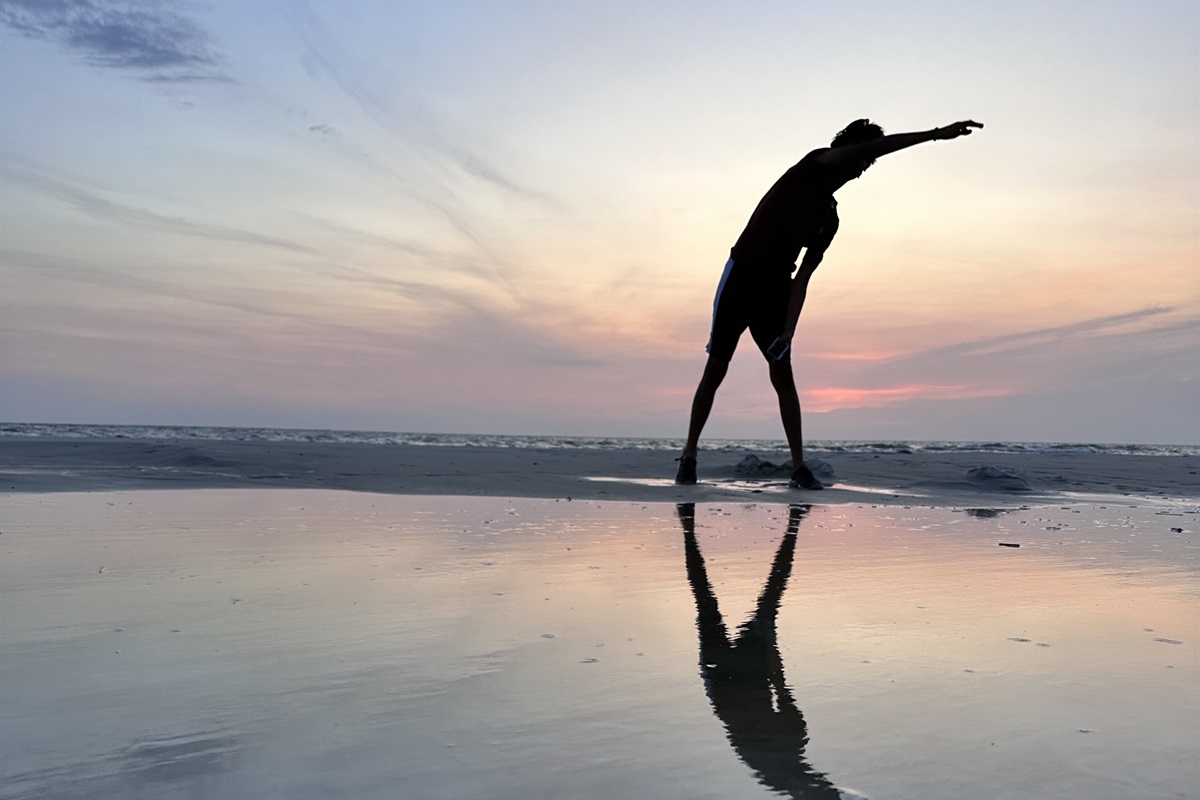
(702, 403)
(789, 408)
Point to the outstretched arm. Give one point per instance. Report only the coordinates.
(869, 151)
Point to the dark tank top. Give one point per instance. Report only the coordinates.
(797, 212)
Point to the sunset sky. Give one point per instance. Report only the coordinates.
(510, 217)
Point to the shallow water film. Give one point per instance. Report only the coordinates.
(303, 644)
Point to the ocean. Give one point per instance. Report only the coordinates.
(192, 432)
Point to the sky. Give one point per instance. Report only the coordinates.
(511, 217)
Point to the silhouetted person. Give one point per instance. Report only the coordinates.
(744, 676)
(759, 292)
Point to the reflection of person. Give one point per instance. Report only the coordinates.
(744, 677)
(758, 291)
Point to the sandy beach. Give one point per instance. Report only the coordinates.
(79, 465)
(225, 619)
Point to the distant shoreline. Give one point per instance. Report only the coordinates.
(38, 430)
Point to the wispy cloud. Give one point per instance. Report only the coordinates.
(153, 39)
(428, 256)
(1096, 326)
(100, 207)
(456, 329)
(416, 127)
(1007, 365)
(71, 276)
(1041, 356)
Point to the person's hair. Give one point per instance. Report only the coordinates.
(857, 132)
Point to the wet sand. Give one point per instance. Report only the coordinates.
(313, 644)
(80, 465)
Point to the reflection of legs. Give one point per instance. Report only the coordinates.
(795, 514)
(781, 567)
(713, 632)
(744, 680)
(702, 403)
(762, 624)
(767, 608)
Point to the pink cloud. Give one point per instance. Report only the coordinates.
(834, 398)
(854, 356)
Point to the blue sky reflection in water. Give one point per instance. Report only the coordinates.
(511, 217)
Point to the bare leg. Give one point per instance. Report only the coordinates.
(702, 403)
(789, 408)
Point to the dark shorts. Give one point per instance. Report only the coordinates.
(748, 298)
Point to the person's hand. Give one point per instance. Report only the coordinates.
(780, 348)
(957, 129)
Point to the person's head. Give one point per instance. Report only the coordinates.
(860, 131)
(857, 132)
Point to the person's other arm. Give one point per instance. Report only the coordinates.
(808, 265)
(869, 151)
(813, 256)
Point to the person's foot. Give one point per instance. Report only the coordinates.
(686, 476)
(802, 478)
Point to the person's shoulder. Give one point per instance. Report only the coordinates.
(806, 166)
(815, 163)
(823, 156)
(810, 157)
